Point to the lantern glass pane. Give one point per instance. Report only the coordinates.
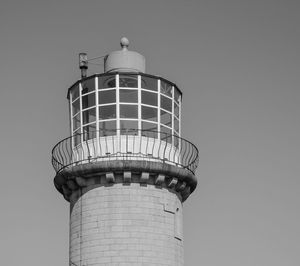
(107, 112)
(176, 109)
(108, 96)
(166, 134)
(165, 118)
(166, 88)
(106, 82)
(177, 95)
(107, 128)
(166, 103)
(89, 132)
(89, 116)
(149, 130)
(149, 113)
(76, 122)
(176, 124)
(88, 86)
(129, 96)
(129, 127)
(149, 83)
(75, 107)
(128, 111)
(128, 81)
(149, 98)
(88, 100)
(75, 92)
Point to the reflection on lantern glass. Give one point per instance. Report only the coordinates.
(88, 100)
(108, 96)
(176, 95)
(166, 134)
(128, 81)
(128, 111)
(149, 130)
(107, 128)
(129, 96)
(88, 86)
(76, 122)
(75, 92)
(106, 82)
(149, 98)
(89, 115)
(166, 88)
(129, 127)
(149, 83)
(107, 112)
(166, 103)
(165, 118)
(75, 107)
(149, 113)
(89, 132)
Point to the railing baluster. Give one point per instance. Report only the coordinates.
(182, 153)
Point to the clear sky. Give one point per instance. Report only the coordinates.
(238, 65)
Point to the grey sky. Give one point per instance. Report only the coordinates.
(237, 63)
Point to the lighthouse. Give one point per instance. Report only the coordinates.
(125, 169)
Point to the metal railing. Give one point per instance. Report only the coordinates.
(121, 144)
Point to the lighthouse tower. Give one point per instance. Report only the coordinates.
(125, 169)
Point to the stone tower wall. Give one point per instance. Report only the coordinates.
(126, 224)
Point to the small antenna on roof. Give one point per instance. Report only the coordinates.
(83, 64)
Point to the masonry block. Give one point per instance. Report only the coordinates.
(144, 177)
(127, 176)
(110, 177)
(160, 179)
(119, 225)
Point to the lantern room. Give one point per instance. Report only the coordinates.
(125, 103)
(124, 113)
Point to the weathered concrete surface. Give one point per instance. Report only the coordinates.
(126, 224)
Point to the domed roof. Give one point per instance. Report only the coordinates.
(124, 60)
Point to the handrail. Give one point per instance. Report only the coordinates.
(124, 144)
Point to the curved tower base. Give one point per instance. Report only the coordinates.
(126, 217)
(132, 224)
